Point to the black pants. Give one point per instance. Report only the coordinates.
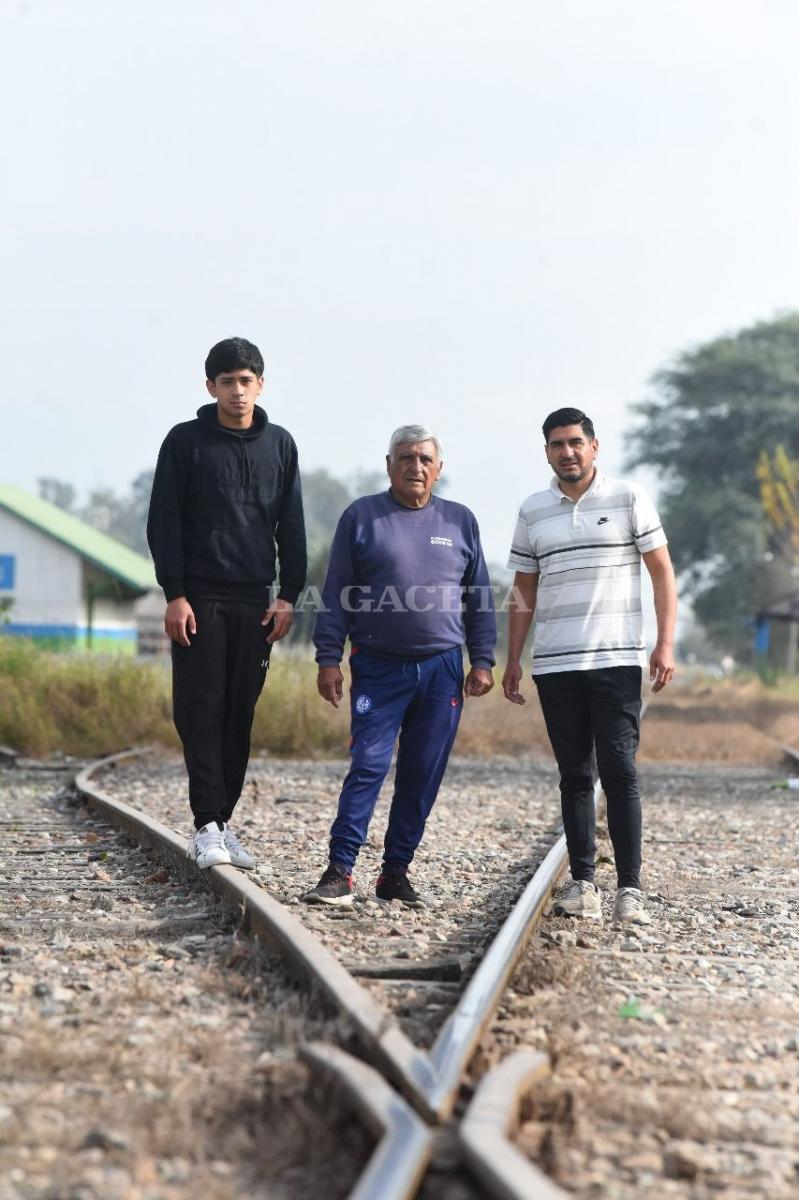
(602, 709)
(216, 682)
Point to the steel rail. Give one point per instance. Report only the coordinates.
(383, 1039)
(487, 1122)
(459, 1036)
(404, 1141)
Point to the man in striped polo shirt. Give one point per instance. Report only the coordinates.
(577, 552)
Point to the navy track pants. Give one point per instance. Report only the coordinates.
(419, 701)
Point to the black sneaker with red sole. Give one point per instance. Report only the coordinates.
(335, 887)
(395, 885)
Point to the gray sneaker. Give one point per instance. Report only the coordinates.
(239, 857)
(629, 908)
(578, 898)
(207, 847)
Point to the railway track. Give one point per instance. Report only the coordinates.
(412, 1097)
(427, 1082)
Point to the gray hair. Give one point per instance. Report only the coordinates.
(408, 434)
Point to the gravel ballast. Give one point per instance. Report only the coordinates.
(489, 829)
(675, 1048)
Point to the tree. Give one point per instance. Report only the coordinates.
(121, 516)
(324, 499)
(55, 491)
(711, 414)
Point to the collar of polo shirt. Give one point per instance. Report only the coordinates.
(554, 486)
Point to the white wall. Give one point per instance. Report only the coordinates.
(48, 586)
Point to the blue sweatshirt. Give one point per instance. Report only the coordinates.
(407, 583)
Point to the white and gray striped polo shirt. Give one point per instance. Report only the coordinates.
(588, 555)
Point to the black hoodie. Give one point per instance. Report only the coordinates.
(221, 500)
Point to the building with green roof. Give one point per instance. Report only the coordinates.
(63, 583)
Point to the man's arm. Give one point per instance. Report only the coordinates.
(664, 587)
(333, 621)
(521, 607)
(479, 621)
(291, 550)
(165, 539)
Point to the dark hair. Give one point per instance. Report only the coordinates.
(233, 354)
(568, 416)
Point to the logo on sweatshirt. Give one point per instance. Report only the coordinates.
(363, 704)
(440, 541)
(603, 520)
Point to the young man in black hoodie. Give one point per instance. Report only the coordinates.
(226, 504)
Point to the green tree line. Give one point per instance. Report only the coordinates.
(710, 416)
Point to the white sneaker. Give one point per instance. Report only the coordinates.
(578, 898)
(207, 846)
(238, 855)
(629, 908)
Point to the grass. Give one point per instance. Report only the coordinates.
(89, 706)
(76, 704)
(85, 706)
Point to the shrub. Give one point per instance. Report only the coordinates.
(88, 706)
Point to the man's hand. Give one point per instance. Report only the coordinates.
(664, 589)
(179, 621)
(511, 680)
(282, 613)
(478, 682)
(661, 667)
(330, 684)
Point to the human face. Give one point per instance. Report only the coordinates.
(413, 469)
(235, 393)
(572, 455)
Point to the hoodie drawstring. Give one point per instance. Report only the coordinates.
(246, 465)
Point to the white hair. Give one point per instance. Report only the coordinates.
(407, 435)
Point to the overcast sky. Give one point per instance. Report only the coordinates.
(454, 212)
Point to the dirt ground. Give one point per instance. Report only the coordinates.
(697, 720)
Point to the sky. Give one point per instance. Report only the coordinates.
(458, 213)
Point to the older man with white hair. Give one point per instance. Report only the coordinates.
(408, 584)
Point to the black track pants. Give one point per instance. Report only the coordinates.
(216, 682)
(602, 709)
